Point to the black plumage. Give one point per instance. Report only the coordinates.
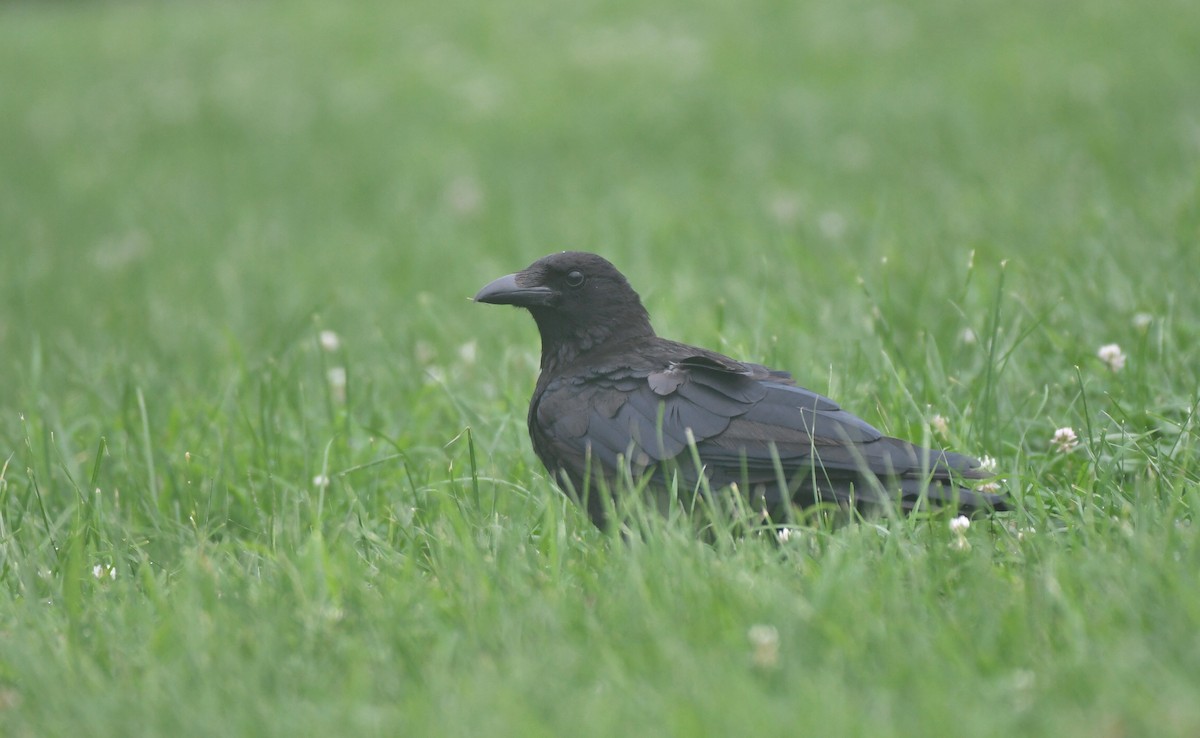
(615, 402)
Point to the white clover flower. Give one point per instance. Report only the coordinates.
(988, 464)
(959, 527)
(832, 224)
(989, 488)
(320, 481)
(939, 425)
(329, 341)
(785, 207)
(435, 374)
(466, 352)
(1065, 440)
(337, 382)
(1142, 321)
(785, 534)
(1112, 355)
(104, 570)
(424, 352)
(481, 93)
(765, 640)
(464, 195)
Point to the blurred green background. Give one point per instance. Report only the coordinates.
(928, 208)
(196, 174)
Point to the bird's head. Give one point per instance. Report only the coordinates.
(579, 300)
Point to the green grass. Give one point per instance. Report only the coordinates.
(191, 192)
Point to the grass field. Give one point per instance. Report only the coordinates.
(215, 522)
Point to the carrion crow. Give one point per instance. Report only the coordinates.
(614, 402)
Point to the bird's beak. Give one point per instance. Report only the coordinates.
(506, 291)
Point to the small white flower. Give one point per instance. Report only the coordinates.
(424, 352)
(466, 352)
(1142, 321)
(337, 382)
(832, 224)
(765, 640)
(1023, 533)
(320, 481)
(968, 336)
(1065, 440)
(784, 535)
(104, 570)
(329, 340)
(1112, 355)
(939, 424)
(988, 464)
(959, 527)
(989, 488)
(785, 207)
(1024, 679)
(435, 374)
(464, 195)
(481, 93)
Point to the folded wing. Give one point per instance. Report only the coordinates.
(748, 423)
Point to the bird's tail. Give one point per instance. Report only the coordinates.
(917, 493)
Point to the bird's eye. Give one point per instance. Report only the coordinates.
(575, 278)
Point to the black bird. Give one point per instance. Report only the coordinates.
(614, 402)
